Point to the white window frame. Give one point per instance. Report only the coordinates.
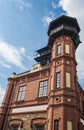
(21, 93)
(43, 86)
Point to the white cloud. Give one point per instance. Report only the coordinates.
(2, 75)
(2, 63)
(48, 18)
(30, 58)
(54, 5)
(22, 51)
(11, 55)
(75, 8)
(21, 4)
(2, 92)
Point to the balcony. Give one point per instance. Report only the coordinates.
(43, 55)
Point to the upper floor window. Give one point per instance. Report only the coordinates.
(21, 93)
(58, 49)
(56, 124)
(67, 48)
(68, 79)
(57, 79)
(43, 88)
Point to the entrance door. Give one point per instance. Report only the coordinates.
(39, 127)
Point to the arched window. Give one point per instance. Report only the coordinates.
(38, 123)
(14, 127)
(15, 124)
(38, 127)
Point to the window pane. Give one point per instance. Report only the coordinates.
(57, 79)
(39, 127)
(56, 124)
(14, 127)
(41, 83)
(45, 82)
(43, 88)
(68, 80)
(67, 48)
(69, 125)
(58, 49)
(22, 88)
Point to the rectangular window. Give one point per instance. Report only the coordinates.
(59, 49)
(21, 93)
(67, 48)
(57, 79)
(68, 79)
(69, 125)
(56, 124)
(43, 88)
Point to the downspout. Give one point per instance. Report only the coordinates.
(7, 108)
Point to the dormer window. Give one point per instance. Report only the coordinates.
(58, 49)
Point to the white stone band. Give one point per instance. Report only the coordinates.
(30, 109)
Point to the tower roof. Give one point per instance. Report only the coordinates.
(64, 20)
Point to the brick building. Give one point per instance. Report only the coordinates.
(48, 97)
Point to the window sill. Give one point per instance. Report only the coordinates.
(21, 101)
(58, 54)
(42, 99)
(67, 53)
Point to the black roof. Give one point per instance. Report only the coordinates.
(63, 19)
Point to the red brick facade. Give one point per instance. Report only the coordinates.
(60, 109)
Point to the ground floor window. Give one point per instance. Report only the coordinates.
(14, 127)
(39, 127)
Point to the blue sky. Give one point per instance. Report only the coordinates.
(23, 30)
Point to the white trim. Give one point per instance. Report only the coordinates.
(29, 109)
